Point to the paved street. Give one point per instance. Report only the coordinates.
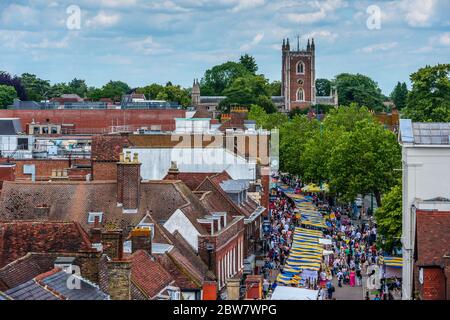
(347, 292)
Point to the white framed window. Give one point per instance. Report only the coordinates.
(300, 94)
(92, 215)
(300, 67)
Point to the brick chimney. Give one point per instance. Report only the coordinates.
(113, 244)
(96, 232)
(119, 279)
(128, 182)
(141, 239)
(173, 172)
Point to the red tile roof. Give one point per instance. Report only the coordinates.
(192, 179)
(148, 274)
(17, 238)
(433, 237)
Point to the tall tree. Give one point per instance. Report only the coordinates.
(323, 87)
(429, 99)
(249, 63)
(7, 95)
(399, 95)
(115, 89)
(78, 87)
(14, 81)
(275, 88)
(220, 77)
(360, 89)
(36, 89)
(389, 218)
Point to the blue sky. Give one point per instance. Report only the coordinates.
(142, 42)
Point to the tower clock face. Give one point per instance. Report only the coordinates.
(300, 81)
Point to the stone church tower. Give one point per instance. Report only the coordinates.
(195, 95)
(298, 76)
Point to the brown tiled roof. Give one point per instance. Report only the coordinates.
(192, 179)
(108, 147)
(433, 237)
(17, 238)
(202, 113)
(24, 269)
(148, 274)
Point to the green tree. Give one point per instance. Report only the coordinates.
(248, 90)
(36, 89)
(7, 95)
(399, 95)
(78, 86)
(360, 89)
(266, 120)
(151, 91)
(220, 77)
(389, 218)
(58, 89)
(114, 90)
(275, 88)
(323, 87)
(363, 161)
(429, 99)
(249, 63)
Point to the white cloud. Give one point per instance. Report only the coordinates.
(322, 10)
(255, 41)
(444, 39)
(148, 46)
(15, 15)
(418, 12)
(103, 20)
(379, 47)
(247, 4)
(117, 3)
(323, 34)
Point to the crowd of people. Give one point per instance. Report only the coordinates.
(353, 243)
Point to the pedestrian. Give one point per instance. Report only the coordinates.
(352, 277)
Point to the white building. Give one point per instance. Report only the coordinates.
(13, 142)
(426, 176)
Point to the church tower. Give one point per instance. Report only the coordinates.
(195, 95)
(298, 75)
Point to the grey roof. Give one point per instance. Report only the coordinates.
(30, 290)
(10, 126)
(211, 99)
(329, 100)
(57, 282)
(425, 133)
(234, 185)
(88, 291)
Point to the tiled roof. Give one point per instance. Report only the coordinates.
(433, 237)
(108, 147)
(46, 237)
(148, 274)
(192, 179)
(425, 133)
(52, 285)
(24, 269)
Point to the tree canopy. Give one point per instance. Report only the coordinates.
(249, 63)
(220, 77)
(323, 87)
(429, 99)
(13, 81)
(360, 89)
(7, 95)
(399, 95)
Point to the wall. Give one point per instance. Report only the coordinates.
(426, 175)
(156, 162)
(44, 167)
(178, 221)
(434, 284)
(96, 121)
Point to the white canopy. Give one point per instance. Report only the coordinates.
(292, 293)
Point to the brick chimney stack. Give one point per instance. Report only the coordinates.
(113, 244)
(128, 182)
(173, 172)
(141, 239)
(96, 232)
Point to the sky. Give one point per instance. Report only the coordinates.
(142, 42)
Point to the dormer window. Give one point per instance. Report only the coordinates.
(93, 215)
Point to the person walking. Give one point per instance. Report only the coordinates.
(352, 277)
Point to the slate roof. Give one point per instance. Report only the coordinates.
(46, 236)
(52, 285)
(25, 269)
(10, 126)
(433, 237)
(425, 133)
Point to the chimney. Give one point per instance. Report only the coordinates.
(173, 172)
(141, 239)
(119, 280)
(113, 244)
(128, 182)
(96, 231)
(41, 212)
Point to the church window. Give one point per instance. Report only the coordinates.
(300, 67)
(300, 95)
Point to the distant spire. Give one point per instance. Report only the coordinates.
(298, 42)
(287, 43)
(313, 46)
(308, 46)
(284, 42)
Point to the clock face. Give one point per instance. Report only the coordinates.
(300, 81)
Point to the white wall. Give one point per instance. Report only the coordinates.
(178, 221)
(156, 162)
(426, 175)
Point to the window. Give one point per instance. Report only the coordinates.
(36, 130)
(22, 144)
(54, 130)
(44, 130)
(300, 67)
(300, 82)
(93, 215)
(300, 95)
